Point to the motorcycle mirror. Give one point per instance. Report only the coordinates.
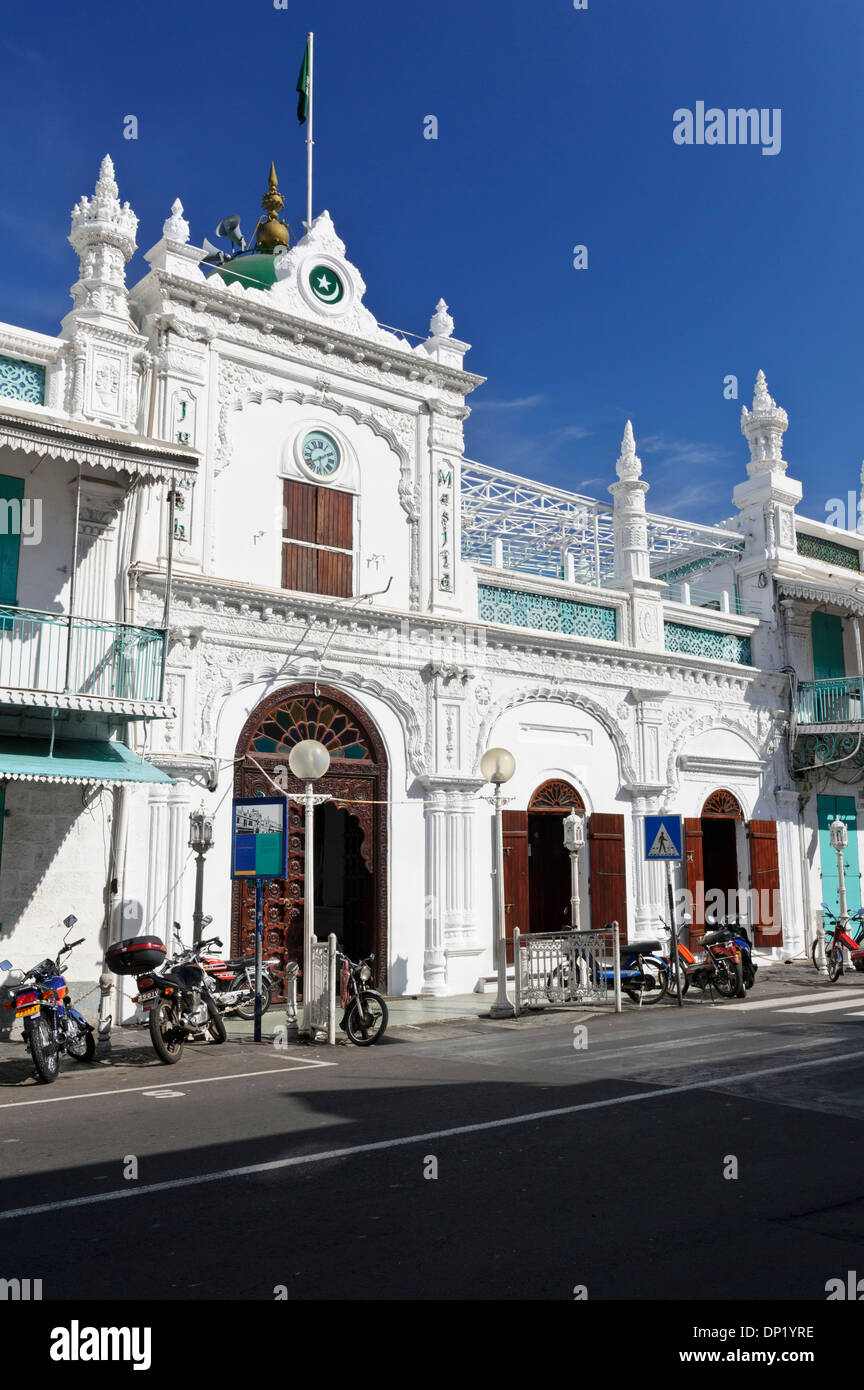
(686, 920)
(5, 965)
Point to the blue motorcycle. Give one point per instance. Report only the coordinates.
(51, 1025)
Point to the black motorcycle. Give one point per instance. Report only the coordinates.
(365, 1013)
(177, 997)
(723, 966)
(51, 1024)
(232, 982)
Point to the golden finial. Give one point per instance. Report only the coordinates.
(272, 232)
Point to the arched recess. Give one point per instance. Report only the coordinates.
(537, 870)
(350, 831)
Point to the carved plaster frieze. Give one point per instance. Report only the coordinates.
(217, 690)
(558, 695)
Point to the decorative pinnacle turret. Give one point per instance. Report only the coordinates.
(175, 227)
(629, 465)
(272, 231)
(764, 427)
(441, 324)
(103, 218)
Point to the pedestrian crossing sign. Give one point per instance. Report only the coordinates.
(662, 837)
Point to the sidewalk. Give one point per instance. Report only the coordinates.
(404, 1013)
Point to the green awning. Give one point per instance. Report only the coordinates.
(74, 760)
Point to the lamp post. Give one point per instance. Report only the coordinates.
(574, 839)
(839, 837)
(200, 840)
(497, 767)
(308, 761)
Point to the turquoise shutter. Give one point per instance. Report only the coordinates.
(11, 490)
(827, 634)
(829, 807)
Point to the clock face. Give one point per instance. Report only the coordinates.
(321, 454)
(326, 285)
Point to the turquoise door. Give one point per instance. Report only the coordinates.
(827, 634)
(11, 490)
(829, 807)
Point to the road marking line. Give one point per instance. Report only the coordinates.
(788, 999)
(328, 1155)
(297, 1064)
(823, 1008)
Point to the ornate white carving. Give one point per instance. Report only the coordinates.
(441, 324)
(175, 227)
(556, 695)
(763, 428)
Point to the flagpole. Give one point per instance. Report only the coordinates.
(309, 134)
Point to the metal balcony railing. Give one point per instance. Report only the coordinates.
(54, 653)
(836, 701)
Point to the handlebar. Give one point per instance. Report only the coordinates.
(70, 945)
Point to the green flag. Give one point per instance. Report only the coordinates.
(303, 87)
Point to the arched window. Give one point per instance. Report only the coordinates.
(556, 795)
(722, 803)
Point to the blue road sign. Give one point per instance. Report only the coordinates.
(663, 837)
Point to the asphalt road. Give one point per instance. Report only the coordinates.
(308, 1171)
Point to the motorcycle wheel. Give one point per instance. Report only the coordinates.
(672, 986)
(247, 1011)
(835, 963)
(859, 964)
(45, 1054)
(216, 1029)
(656, 993)
(166, 1034)
(728, 978)
(366, 1020)
(83, 1046)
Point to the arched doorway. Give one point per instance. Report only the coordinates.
(714, 841)
(548, 861)
(350, 831)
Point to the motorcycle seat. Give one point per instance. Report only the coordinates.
(186, 976)
(641, 948)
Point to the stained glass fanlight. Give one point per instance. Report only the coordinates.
(310, 717)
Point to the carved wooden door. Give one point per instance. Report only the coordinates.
(357, 783)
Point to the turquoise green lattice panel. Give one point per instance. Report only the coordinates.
(22, 381)
(830, 552)
(516, 608)
(702, 641)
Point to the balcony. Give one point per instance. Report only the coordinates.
(836, 701)
(83, 662)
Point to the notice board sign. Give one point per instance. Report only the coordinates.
(259, 840)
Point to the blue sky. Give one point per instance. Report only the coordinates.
(555, 129)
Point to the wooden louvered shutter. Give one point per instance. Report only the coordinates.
(517, 911)
(694, 866)
(315, 518)
(765, 879)
(607, 871)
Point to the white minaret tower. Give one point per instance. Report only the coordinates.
(768, 499)
(103, 234)
(631, 531)
(105, 357)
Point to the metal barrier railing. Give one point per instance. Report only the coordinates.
(84, 656)
(567, 967)
(319, 977)
(835, 701)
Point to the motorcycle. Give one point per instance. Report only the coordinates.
(722, 968)
(365, 1013)
(177, 998)
(232, 982)
(51, 1024)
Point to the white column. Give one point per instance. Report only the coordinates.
(434, 960)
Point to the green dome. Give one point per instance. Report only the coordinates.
(250, 271)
